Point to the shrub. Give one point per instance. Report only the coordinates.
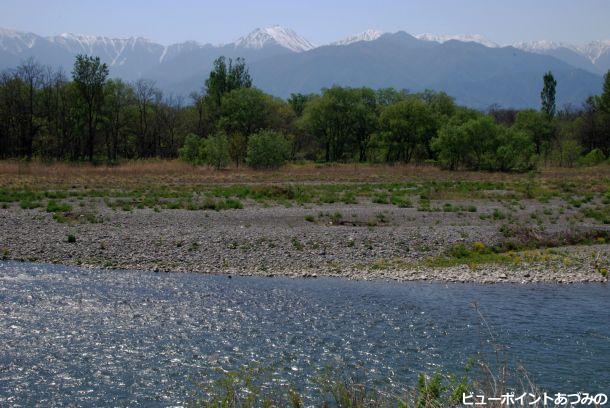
(71, 239)
(214, 151)
(515, 151)
(267, 150)
(190, 151)
(592, 158)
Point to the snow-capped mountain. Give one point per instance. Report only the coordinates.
(542, 45)
(594, 56)
(173, 50)
(276, 35)
(595, 50)
(113, 50)
(282, 62)
(458, 37)
(368, 35)
(16, 41)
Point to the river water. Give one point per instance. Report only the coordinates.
(125, 338)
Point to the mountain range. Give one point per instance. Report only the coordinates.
(476, 71)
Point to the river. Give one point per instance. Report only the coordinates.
(125, 338)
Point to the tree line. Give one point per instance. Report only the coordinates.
(88, 116)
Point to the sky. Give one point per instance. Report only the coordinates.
(320, 21)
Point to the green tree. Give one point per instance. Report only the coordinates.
(245, 111)
(366, 120)
(389, 96)
(514, 151)
(267, 149)
(481, 144)
(238, 148)
(605, 97)
(407, 125)
(297, 102)
(548, 95)
(118, 96)
(452, 146)
(537, 126)
(440, 102)
(89, 75)
(342, 120)
(226, 77)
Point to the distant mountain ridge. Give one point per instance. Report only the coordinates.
(594, 56)
(473, 69)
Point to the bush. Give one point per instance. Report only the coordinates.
(267, 150)
(515, 151)
(592, 158)
(214, 151)
(190, 151)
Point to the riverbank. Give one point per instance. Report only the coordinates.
(358, 241)
(361, 222)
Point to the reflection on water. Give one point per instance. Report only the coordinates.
(129, 338)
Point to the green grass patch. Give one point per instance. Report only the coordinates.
(601, 215)
(56, 207)
(28, 205)
(474, 254)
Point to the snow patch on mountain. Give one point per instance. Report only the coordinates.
(593, 50)
(368, 35)
(458, 37)
(543, 45)
(15, 41)
(276, 35)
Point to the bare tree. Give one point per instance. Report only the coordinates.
(144, 94)
(31, 75)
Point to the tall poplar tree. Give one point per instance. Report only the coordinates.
(548, 95)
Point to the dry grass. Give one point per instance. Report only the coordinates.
(174, 172)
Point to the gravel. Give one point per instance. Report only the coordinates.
(371, 242)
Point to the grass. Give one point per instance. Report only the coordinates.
(56, 180)
(171, 185)
(249, 388)
(475, 254)
(296, 244)
(524, 245)
(336, 217)
(55, 207)
(601, 214)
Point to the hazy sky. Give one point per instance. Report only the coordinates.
(320, 21)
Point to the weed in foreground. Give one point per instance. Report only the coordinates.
(489, 373)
